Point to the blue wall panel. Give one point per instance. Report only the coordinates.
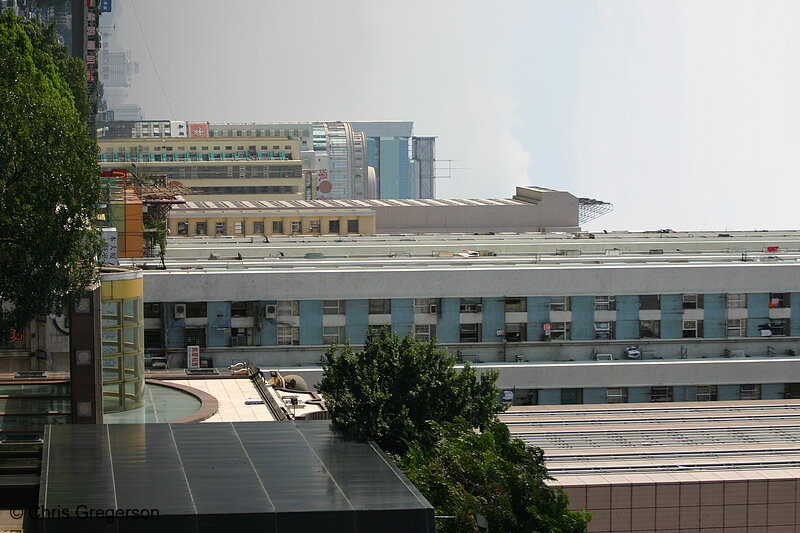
(727, 393)
(757, 312)
(794, 321)
(310, 322)
(582, 318)
(402, 316)
(494, 318)
(639, 394)
(219, 324)
(628, 318)
(594, 395)
(772, 391)
(538, 315)
(268, 336)
(173, 326)
(714, 316)
(357, 313)
(550, 397)
(449, 319)
(671, 316)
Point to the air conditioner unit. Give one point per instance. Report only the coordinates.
(433, 309)
(180, 310)
(479, 307)
(270, 311)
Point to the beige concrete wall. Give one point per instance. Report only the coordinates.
(557, 211)
(366, 222)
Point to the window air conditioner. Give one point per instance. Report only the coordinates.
(478, 307)
(270, 311)
(180, 310)
(433, 309)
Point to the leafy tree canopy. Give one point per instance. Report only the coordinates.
(396, 391)
(442, 427)
(49, 178)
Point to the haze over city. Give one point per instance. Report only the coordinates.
(679, 113)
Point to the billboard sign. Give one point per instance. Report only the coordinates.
(198, 129)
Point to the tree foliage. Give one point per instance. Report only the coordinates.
(49, 177)
(396, 391)
(442, 427)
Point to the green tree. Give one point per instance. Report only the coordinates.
(49, 180)
(442, 427)
(396, 391)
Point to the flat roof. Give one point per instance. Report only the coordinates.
(245, 476)
(680, 441)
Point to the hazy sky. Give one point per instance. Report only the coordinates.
(682, 114)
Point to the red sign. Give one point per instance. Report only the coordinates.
(546, 326)
(192, 357)
(198, 129)
(15, 335)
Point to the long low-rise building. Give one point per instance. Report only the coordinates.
(615, 317)
(531, 209)
(724, 466)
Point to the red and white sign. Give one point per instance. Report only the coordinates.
(15, 335)
(192, 357)
(546, 327)
(198, 129)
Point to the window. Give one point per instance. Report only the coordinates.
(195, 337)
(238, 227)
(153, 339)
(241, 337)
(258, 227)
(736, 300)
(297, 226)
(352, 226)
(604, 330)
(605, 303)
(288, 335)
(516, 304)
(560, 330)
(426, 332)
(559, 303)
(374, 332)
(426, 306)
(313, 226)
(152, 310)
(779, 326)
(778, 300)
(196, 310)
(333, 226)
(277, 226)
(650, 302)
(243, 309)
(334, 334)
(380, 307)
(692, 301)
(750, 392)
(660, 394)
(692, 329)
(471, 305)
(571, 396)
(617, 395)
(200, 228)
(333, 307)
(288, 308)
(183, 228)
(649, 329)
(706, 393)
(469, 333)
(736, 327)
(516, 332)
(220, 228)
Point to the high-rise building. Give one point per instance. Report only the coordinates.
(404, 167)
